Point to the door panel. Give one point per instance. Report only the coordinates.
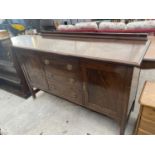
(104, 85)
(34, 70)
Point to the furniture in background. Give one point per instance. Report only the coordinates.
(99, 72)
(149, 58)
(146, 119)
(148, 63)
(11, 75)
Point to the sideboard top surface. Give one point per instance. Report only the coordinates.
(114, 50)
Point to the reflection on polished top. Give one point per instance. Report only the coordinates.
(122, 51)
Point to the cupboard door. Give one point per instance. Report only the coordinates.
(63, 76)
(104, 87)
(33, 69)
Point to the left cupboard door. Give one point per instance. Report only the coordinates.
(33, 69)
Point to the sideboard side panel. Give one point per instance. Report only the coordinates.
(33, 69)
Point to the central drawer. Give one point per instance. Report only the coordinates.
(63, 77)
(63, 63)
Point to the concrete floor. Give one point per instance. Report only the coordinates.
(51, 115)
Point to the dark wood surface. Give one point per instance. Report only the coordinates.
(63, 76)
(104, 84)
(130, 52)
(100, 86)
(98, 35)
(34, 68)
(99, 74)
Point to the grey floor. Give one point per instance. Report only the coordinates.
(51, 115)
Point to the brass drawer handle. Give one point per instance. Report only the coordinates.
(84, 86)
(47, 62)
(74, 95)
(69, 67)
(53, 87)
(71, 80)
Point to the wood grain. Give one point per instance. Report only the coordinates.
(104, 84)
(105, 87)
(120, 51)
(63, 77)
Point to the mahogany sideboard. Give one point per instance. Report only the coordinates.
(99, 74)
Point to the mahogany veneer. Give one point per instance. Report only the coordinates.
(100, 74)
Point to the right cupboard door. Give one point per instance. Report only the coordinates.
(104, 87)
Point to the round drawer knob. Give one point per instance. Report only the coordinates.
(69, 66)
(53, 87)
(74, 95)
(47, 62)
(71, 80)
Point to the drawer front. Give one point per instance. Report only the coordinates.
(149, 113)
(66, 64)
(147, 125)
(63, 76)
(66, 87)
